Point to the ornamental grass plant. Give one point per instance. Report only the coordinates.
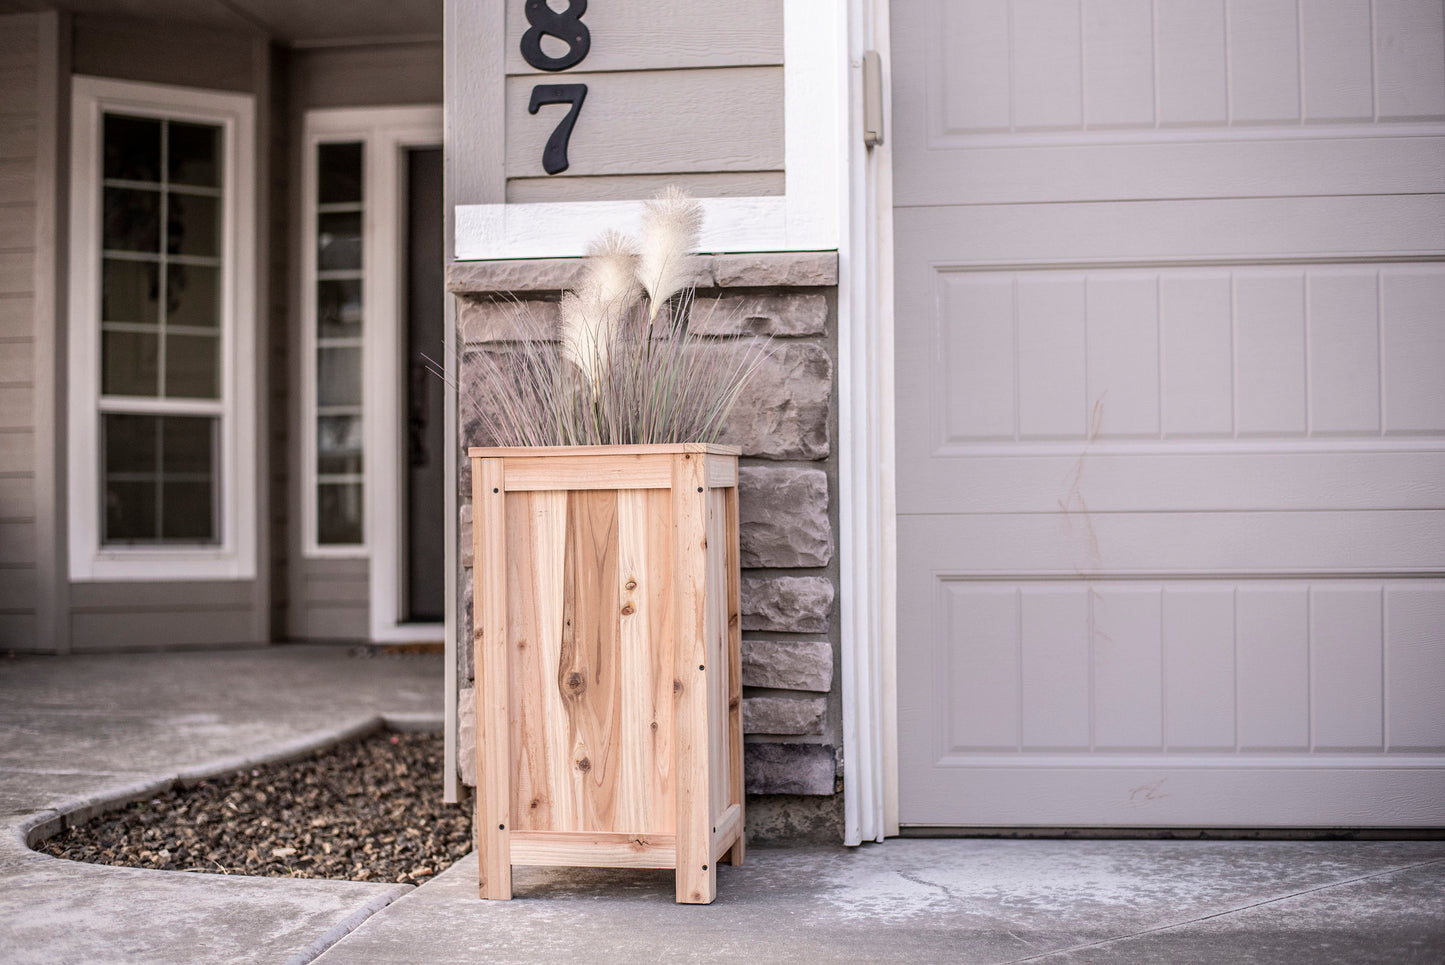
(623, 366)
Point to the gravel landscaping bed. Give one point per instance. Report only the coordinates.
(370, 810)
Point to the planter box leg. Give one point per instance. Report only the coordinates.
(494, 791)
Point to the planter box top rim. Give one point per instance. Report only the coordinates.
(486, 452)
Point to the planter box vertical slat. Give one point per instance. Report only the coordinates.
(607, 635)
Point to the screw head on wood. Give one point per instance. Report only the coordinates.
(501, 827)
(494, 489)
(699, 489)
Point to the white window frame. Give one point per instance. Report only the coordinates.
(234, 555)
(805, 218)
(384, 133)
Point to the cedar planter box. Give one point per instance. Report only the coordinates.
(607, 629)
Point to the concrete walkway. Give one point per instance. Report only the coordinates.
(78, 732)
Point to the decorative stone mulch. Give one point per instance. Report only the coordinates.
(370, 810)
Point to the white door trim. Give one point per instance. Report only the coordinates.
(866, 512)
(386, 133)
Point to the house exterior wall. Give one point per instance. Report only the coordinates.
(324, 598)
(21, 250)
(786, 426)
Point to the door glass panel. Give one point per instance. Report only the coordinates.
(159, 478)
(338, 513)
(338, 308)
(338, 240)
(338, 376)
(338, 173)
(338, 444)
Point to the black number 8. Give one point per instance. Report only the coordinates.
(566, 26)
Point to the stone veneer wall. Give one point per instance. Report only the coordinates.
(786, 424)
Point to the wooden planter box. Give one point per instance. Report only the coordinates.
(606, 633)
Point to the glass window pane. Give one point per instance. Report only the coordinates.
(192, 369)
(338, 376)
(338, 444)
(132, 220)
(338, 308)
(132, 148)
(338, 173)
(129, 443)
(338, 240)
(338, 514)
(188, 444)
(193, 296)
(130, 363)
(195, 154)
(193, 225)
(188, 511)
(130, 292)
(130, 510)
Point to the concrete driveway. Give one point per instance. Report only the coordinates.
(80, 733)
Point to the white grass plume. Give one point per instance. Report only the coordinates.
(671, 226)
(593, 314)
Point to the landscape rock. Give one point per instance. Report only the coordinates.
(788, 664)
(464, 533)
(499, 318)
(784, 715)
(783, 517)
(789, 768)
(782, 413)
(788, 604)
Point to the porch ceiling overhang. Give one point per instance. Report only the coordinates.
(294, 23)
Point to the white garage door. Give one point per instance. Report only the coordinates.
(1171, 411)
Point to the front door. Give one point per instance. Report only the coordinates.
(1171, 418)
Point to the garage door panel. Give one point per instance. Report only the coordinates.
(1223, 544)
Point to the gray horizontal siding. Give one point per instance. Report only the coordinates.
(731, 184)
(139, 615)
(370, 76)
(330, 599)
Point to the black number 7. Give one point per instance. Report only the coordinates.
(554, 155)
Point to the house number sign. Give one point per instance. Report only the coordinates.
(566, 26)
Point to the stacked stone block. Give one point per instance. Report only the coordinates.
(785, 424)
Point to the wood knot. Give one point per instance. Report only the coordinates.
(732, 619)
(733, 704)
(676, 687)
(521, 644)
(536, 802)
(630, 584)
(584, 765)
(654, 725)
(628, 610)
(576, 683)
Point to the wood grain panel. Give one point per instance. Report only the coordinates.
(661, 34)
(644, 569)
(621, 187)
(674, 133)
(593, 849)
(491, 659)
(588, 472)
(589, 673)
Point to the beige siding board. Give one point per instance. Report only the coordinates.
(367, 76)
(17, 449)
(18, 39)
(322, 568)
(146, 596)
(17, 225)
(17, 632)
(159, 629)
(17, 90)
(17, 498)
(17, 589)
(17, 543)
(656, 122)
(180, 54)
(332, 623)
(349, 592)
(17, 362)
(17, 135)
(623, 187)
(17, 315)
(678, 33)
(17, 182)
(17, 407)
(17, 272)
